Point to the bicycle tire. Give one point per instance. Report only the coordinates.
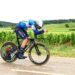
(36, 62)
(4, 53)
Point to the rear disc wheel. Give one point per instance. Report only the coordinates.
(8, 51)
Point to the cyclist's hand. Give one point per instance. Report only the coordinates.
(45, 30)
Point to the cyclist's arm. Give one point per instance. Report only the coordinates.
(36, 31)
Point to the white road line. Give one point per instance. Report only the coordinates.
(37, 72)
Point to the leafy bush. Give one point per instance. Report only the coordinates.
(66, 25)
(46, 38)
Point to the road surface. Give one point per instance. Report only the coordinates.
(55, 66)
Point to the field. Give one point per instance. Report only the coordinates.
(60, 38)
(60, 28)
(65, 49)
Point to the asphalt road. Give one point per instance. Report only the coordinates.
(55, 66)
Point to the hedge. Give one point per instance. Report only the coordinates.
(46, 38)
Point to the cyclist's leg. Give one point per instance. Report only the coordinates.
(25, 39)
(23, 34)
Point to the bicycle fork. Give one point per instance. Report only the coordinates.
(37, 49)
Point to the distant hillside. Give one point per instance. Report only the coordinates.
(59, 21)
(6, 24)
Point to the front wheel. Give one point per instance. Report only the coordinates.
(8, 51)
(41, 57)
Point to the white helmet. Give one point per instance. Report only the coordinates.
(39, 24)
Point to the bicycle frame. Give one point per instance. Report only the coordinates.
(30, 44)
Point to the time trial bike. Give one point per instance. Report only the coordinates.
(38, 53)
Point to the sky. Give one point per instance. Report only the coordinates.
(17, 10)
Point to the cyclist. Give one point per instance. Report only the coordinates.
(21, 30)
